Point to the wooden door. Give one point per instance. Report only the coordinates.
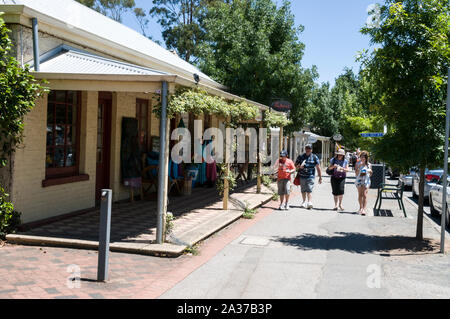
(103, 144)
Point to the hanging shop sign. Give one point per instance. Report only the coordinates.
(281, 106)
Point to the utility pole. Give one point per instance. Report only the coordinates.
(163, 169)
(444, 182)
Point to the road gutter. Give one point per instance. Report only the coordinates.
(432, 222)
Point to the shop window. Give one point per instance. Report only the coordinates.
(63, 128)
(142, 117)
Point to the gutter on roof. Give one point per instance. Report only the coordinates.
(105, 77)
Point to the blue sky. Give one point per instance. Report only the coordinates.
(331, 34)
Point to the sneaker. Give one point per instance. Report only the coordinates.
(303, 205)
(310, 205)
(281, 207)
(286, 207)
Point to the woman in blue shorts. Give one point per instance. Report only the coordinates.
(363, 171)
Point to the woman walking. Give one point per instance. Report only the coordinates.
(339, 165)
(363, 174)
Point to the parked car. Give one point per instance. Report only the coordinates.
(436, 206)
(407, 179)
(431, 178)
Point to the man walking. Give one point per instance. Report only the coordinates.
(308, 163)
(285, 168)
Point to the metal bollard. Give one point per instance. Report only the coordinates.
(103, 240)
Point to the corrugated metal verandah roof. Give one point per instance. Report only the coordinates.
(65, 59)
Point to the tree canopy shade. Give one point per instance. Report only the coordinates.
(18, 92)
(409, 73)
(252, 47)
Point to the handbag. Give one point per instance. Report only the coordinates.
(297, 180)
(338, 174)
(330, 171)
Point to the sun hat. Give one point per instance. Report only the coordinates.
(340, 152)
(308, 146)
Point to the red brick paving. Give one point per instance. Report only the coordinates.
(41, 272)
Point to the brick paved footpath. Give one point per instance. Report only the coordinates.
(133, 225)
(41, 272)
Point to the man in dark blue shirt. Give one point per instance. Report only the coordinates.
(307, 164)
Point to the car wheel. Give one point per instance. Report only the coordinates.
(433, 210)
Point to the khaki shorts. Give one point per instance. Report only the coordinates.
(284, 186)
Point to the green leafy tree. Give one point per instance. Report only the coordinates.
(323, 118)
(115, 9)
(353, 110)
(181, 23)
(409, 73)
(345, 95)
(253, 48)
(353, 126)
(142, 19)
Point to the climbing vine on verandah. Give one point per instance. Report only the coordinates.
(199, 102)
(272, 119)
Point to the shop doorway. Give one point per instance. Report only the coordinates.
(102, 179)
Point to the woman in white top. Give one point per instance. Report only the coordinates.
(363, 174)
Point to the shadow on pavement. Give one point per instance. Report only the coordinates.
(360, 243)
